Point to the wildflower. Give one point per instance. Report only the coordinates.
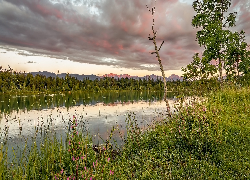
(82, 157)
(73, 158)
(85, 168)
(67, 178)
(55, 177)
(90, 178)
(69, 143)
(111, 172)
(108, 159)
(94, 164)
(61, 171)
(79, 143)
(76, 132)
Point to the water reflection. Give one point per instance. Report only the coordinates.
(9, 103)
(99, 116)
(47, 115)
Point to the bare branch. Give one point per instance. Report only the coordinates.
(161, 45)
(159, 60)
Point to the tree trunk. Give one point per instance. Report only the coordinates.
(220, 60)
(220, 70)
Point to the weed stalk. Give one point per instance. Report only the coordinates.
(159, 59)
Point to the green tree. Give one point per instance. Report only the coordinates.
(210, 17)
(237, 55)
(199, 69)
(30, 81)
(245, 64)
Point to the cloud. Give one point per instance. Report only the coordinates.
(93, 31)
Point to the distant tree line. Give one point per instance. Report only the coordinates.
(11, 82)
(16, 82)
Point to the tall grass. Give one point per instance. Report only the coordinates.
(207, 140)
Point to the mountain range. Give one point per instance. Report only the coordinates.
(92, 77)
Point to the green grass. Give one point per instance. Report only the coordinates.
(209, 140)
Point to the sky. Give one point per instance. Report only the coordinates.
(102, 36)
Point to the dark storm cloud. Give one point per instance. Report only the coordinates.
(88, 31)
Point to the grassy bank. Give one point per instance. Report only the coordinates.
(202, 141)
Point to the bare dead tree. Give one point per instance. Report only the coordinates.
(159, 58)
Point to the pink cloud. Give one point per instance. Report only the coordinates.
(245, 17)
(170, 53)
(124, 26)
(235, 2)
(120, 47)
(178, 47)
(121, 31)
(137, 48)
(47, 11)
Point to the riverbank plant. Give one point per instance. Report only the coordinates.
(207, 140)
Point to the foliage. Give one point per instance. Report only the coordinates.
(200, 68)
(238, 59)
(219, 43)
(13, 82)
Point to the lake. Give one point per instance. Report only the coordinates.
(24, 116)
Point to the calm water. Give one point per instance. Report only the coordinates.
(24, 116)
